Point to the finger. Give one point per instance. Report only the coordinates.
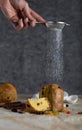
(17, 23)
(20, 21)
(27, 13)
(21, 24)
(25, 21)
(33, 23)
(37, 16)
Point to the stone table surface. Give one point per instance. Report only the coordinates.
(15, 121)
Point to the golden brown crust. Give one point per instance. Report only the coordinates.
(55, 95)
(8, 93)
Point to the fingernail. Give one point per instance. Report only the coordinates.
(15, 22)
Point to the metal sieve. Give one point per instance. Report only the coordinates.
(55, 25)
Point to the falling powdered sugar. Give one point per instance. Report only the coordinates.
(54, 56)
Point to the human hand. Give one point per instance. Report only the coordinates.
(20, 14)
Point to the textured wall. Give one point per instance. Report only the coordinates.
(23, 53)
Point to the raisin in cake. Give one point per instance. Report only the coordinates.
(54, 94)
(37, 105)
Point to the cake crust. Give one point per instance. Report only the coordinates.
(55, 95)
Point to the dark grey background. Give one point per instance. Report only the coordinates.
(22, 53)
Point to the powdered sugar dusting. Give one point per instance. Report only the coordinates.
(54, 56)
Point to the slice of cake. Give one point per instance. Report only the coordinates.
(37, 105)
(54, 94)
